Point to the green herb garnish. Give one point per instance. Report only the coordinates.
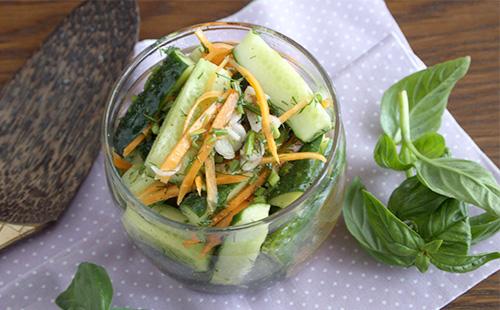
(426, 221)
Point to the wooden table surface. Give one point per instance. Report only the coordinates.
(437, 30)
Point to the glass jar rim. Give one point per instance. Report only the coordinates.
(172, 37)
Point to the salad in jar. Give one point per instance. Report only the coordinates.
(223, 136)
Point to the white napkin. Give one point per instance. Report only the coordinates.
(364, 52)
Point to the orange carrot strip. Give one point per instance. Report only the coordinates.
(154, 187)
(120, 163)
(137, 140)
(241, 197)
(211, 183)
(225, 222)
(180, 149)
(219, 122)
(326, 103)
(295, 156)
(199, 184)
(202, 99)
(218, 52)
(292, 111)
(230, 179)
(160, 195)
(264, 108)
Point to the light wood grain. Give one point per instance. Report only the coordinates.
(437, 30)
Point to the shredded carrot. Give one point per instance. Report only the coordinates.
(211, 183)
(219, 122)
(120, 163)
(154, 187)
(241, 197)
(295, 156)
(163, 194)
(199, 184)
(190, 242)
(230, 179)
(203, 39)
(137, 140)
(201, 101)
(326, 103)
(218, 52)
(174, 158)
(293, 110)
(264, 108)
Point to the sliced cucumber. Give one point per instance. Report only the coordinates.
(168, 240)
(169, 212)
(172, 127)
(284, 86)
(194, 207)
(136, 179)
(196, 53)
(239, 251)
(299, 177)
(165, 79)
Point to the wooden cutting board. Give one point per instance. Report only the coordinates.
(50, 114)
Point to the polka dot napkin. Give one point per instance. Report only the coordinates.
(363, 50)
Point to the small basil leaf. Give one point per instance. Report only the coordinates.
(483, 226)
(386, 154)
(461, 263)
(422, 262)
(412, 199)
(356, 218)
(449, 223)
(433, 246)
(461, 179)
(428, 92)
(389, 228)
(90, 289)
(431, 145)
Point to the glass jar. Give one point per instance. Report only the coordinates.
(291, 234)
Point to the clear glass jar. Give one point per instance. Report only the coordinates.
(292, 234)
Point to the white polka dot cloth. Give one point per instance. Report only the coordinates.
(363, 50)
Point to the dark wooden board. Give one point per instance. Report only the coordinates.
(51, 110)
(437, 30)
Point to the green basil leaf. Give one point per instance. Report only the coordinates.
(386, 155)
(433, 246)
(428, 92)
(449, 223)
(483, 226)
(461, 179)
(356, 218)
(422, 262)
(395, 234)
(461, 263)
(431, 145)
(412, 199)
(90, 289)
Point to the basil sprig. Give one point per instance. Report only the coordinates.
(426, 220)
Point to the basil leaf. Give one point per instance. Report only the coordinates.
(412, 199)
(483, 226)
(386, 154)
(431, 145)
(461, 263)
(428, 92)
(460, 179)
(449, 223)
(356, 216)
(422, 262)
(395, 234)
(90, 289)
